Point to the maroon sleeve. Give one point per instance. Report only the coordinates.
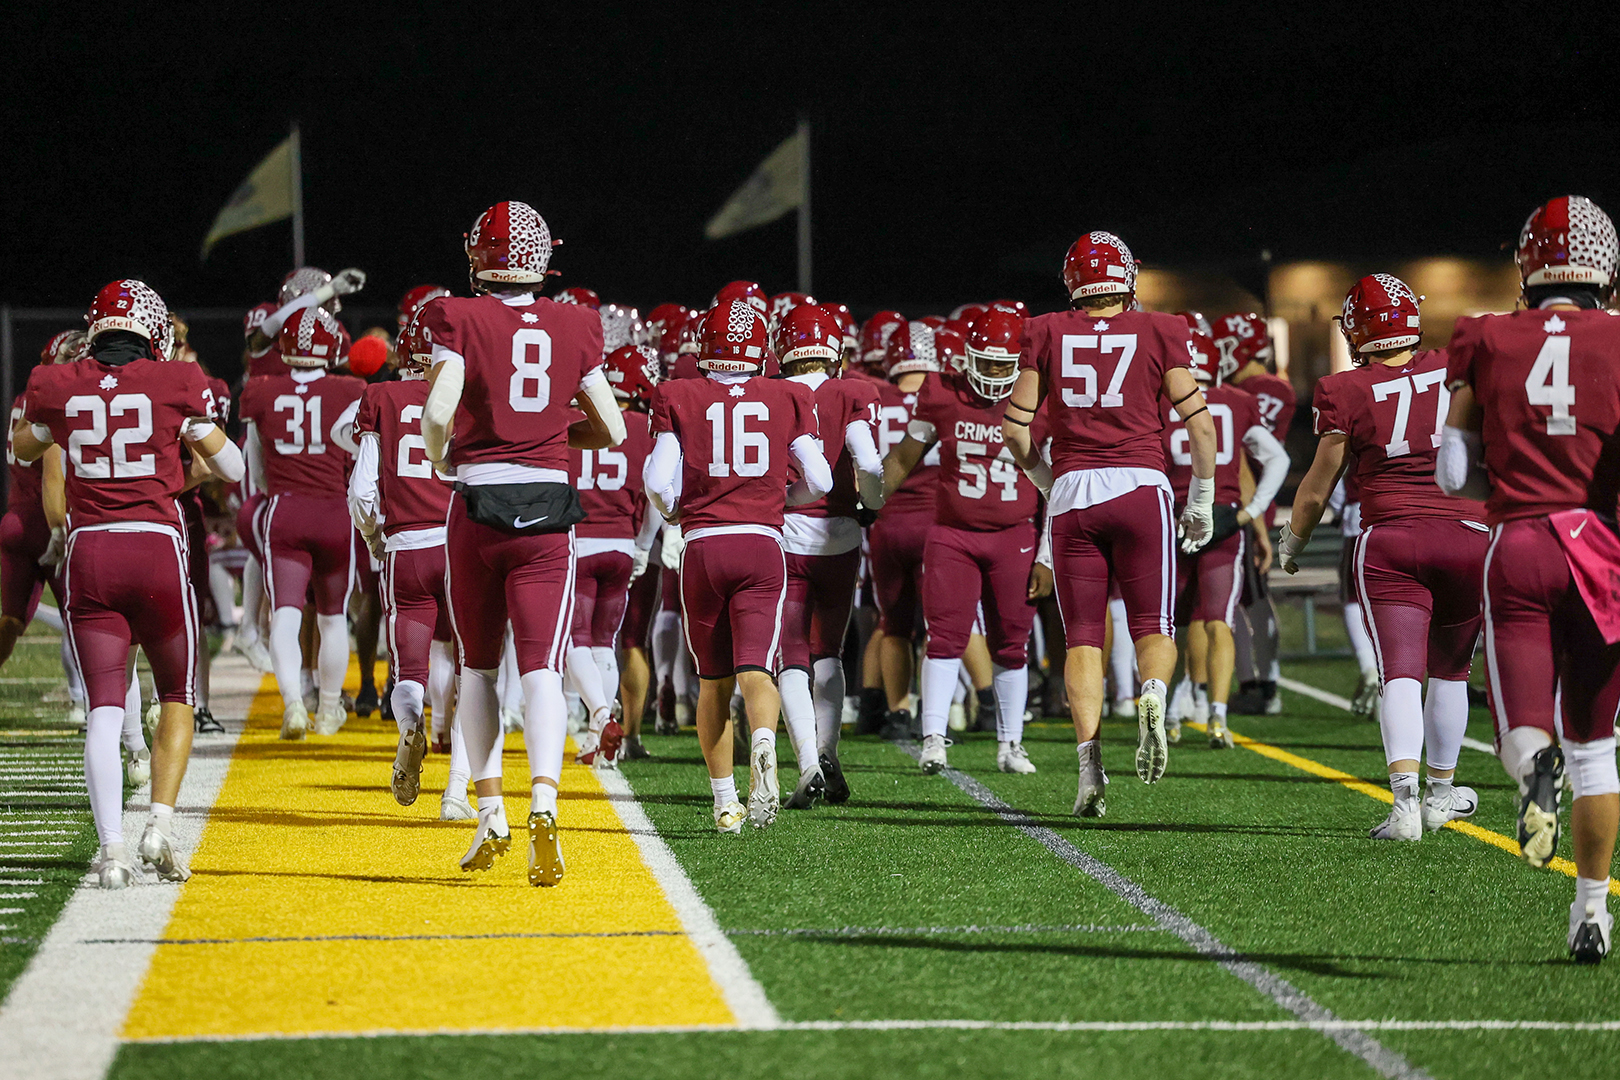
(1031, 347)
(1325, 416)
(805, 421)
(248, 404)
(661, 421)
(38, 402)
(441, 329)
(366, 419)
(1460, 352)
(1177, 341)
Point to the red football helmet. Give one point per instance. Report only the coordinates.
(509, 244)
(1570, 241)
(910, 349)
(749, 291)
(1380, 312)
(312, 338)
(621, 326)
(688, 344)
(665, 322)
(733, 339)
(131, 305)
(808, 332)
(969, 312)
(846, 323)
(1197, 323)
(64, 347)
(632, 371)
(582, 297)
(934, 321)
(1205, 358)
(1017, 307)
(784, 302)
(1099, 264)
(950, 348)
(992, 349)
(306, 279)
(413, 352)
(413, 300)
(875, 335)
(1241, 337)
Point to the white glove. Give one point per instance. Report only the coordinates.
(348, 281)
(673, 546)
(638, 562)
(1198, 518)
(56, 549)
(1041, 477)
(1288, 546)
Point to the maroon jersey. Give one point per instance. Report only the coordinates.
(1276, 399)
(1549, 385)
(222, 401)
(734, 444)
(916, 495)
(685, 367)
(1392, 418)
(840, 403)
(1103, 378)
(298, 424)
(609, 483)
(1234, 413)
(980, 486)
(120, 430)
(410, 491)
(524, 365)
(27, 489)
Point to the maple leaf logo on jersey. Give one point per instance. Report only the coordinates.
(529, 316)
(108, 382)
(1554, 325)
(1102, 324)
(738, 391)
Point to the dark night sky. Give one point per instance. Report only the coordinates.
(955, 157)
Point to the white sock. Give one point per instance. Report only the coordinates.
(1445, 721)
(441, 685)
(333, 656)
(1366, 658)
(1153, 688)
(585, 679)
(542, 798)
(1439, 787)
(407, 701)
(799, 710)
(1200, 693)
(1590, 892)
(104, 772)
(163, 818)
(829, 697)
(492, 811)
(49, 617)
(725, 791)
(545, 723)
(684, 674)
(1403, 785)
(460, 771)
(1122, 657)
(1012, 692)
(666, 643)
(223, 590)
(1519, 748)
(307, 683)
(964, 685)
(1217, 709)
(1400, 718)
(938, 682)
(70, 667)
(286, 658)
(252, 598)
(607, 663)
(479, 721)
(134, 737)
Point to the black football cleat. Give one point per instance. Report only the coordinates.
(366, 703)
(1538, 808)
(833, 775)
(204, 722)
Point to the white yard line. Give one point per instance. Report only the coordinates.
(1344, 703)
(63, 1017)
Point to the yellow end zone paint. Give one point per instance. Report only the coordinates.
(306, 842)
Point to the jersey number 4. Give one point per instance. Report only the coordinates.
(118, 463)
(1084, 395)
(1548, 384)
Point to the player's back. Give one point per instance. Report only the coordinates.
(300, 417)
(1548, 384)
(1103, 377)
(412, 493)
(839, 403)
(523, 366)
(1275, 398)
(609, 482)
(1233, 413)
(916, 494)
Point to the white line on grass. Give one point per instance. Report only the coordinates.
(64, 1014)
(1287, 996)
(743, 994)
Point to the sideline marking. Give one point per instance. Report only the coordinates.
(1284, 994)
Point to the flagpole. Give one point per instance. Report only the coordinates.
(804, 204)
(297, 198)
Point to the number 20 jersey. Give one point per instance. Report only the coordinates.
(119, 428)
(412, 493)
(1548, 383)
(524, 364)
(1103, 379)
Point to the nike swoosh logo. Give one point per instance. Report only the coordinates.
(519, 523)
(1575, 533)
(1025, 551)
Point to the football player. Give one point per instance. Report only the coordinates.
(980, 549)
(124, 413)
(1535, 400)
(300, 446)
(1099, 370)
(506, 367)
(1420, 555)
(719, 465)
(822, 541)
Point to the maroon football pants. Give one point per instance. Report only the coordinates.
(415, 610)
(1418, 582)
(1209, 582)
(965, 568)
(820, 594)
(897, 544)
(733, 587)
(1131, 539)
(601, 593)
(22, 541)
(494, 576)
(309, 542)
(641, 603)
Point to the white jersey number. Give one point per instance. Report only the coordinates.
(1225, 437)
(1098, 347)
(977, 476)
(750, 450)
(406, 464)
(1548, 384)
(531, 370)
(1404, 389)
(118, 463)
(301, 410)
(602, 470)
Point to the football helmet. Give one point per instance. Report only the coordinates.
(1197, 323)
(750, 291)
(621, 326)
(509, 244)
(846, 323)
(413, 352)
(910, 349)
(134, 306)
(306, 279)
(665, 322)
(934, 321)
(807, 333)
(733, 339)
(312, 338)
(1205, 359)
(64, 347)
(875, 335)
(632, 371)
(950, 348)
(968, 312)
(688, 344)
(1017, 307)
(582, 297)
(784, 302)
(413, 300)
(992, 353)
(1241, 337)
(1099, 264)
(1569, 241)
(1380, 312)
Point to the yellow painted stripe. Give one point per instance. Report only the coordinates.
(306, 842)
(1383, 795)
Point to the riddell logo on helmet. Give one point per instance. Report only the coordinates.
(1560, 275)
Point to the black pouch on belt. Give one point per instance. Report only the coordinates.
(523, 509)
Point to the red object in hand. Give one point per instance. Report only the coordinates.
(367, 356)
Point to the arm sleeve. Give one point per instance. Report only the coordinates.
(227, 464)
(661, 477)
(1457, 467)
(1324, 412)
(817, 479)
(868, 463)
(595, 386)
(442, 401)
(363, 484)
(1043, 553)
(650, 524)
(271, 327)
(343, 429)
(255, 457)
(1273, 459)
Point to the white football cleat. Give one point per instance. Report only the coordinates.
(1088, 799)
(1405, 821)
(1220, 736)
(330, 720)
(77, 717)
(253, 651)
(294, 721)
(511, 721)
(1172, 730)
(149, 723)
(491, 839)
(956, 718)
(1589, 934)
(406, 783)
(1458, 802)
(137, 766)
(1180, 704)
(729, 818)
(764, 793)
(1125, 709)
(1200, 710)
(932, 759)
(453, 807)
(157, 851)
(1012, 757)
(589, 743)
(545, 849)
(113, 868)
(1152, 748)
(684, 717)
(1274, 706)
(610, 744)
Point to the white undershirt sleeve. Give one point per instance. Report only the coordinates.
(596, 387)
(1273, 459)
(255, 457)
(868, 463)
(442, 401)
(660, 478)
(343, 429)
(1457, 467)
(817, 479)
(363, 484)
(227, 464)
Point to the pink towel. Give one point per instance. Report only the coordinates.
(1593, 553)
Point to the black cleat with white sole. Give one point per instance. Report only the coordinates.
(1538, 808)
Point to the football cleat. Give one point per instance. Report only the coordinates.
(1152, 748)
(729, 818)
(684, 716)
(811, 788)
(253, 651)
(589, 746)
(833, 772)
(407, 780)
(330, 720)
(453, 807)
(1181, 701)
(112, 867)
(1405, 821)
(1125, 709)
(1200, 710)
(1364, 705)
(294, 721)
(149, 722)
(1220, 736)
(1088, 799)
(491, 840)
(366, 703)
(764, 794)
(1274, 705)
(77, 717)
(137, 766)
(511, 720)
(545, 849)
(956, 718)
(157, 851)
(896, 725)
(1012, 757)
(611, 742)
(1589, 934)
(205, 723)
(932, 759)
(1538, 807)
(1457, 802)
(1172, 731)
(634, 750)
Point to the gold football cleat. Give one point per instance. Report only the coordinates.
(545, 850)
